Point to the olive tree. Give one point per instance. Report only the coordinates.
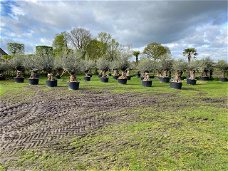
(72, 65)
(17, 62)
(103, 65)
(179, 66)
(146, 66)
(222, 65)
(206, 66)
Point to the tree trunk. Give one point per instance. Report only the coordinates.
(165, 73)
(178, 76)
(192, 74)
(50, 77)
(103, 73)
(223, 74)
(137, 59)
(73, 78)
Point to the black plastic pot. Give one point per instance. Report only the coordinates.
(104, 79)
(19, 79)
(147, 83)
(51, 83)
(204, 78)
(164, 79)
(223, 79)
(122, 81)
(176, 85)
(115, 77)
(73, 85)
(128, 77)
(87, 78)
(34, 81)
(191, 82)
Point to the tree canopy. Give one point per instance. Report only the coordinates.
(156, 50)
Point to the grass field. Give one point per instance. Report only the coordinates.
(139, 128)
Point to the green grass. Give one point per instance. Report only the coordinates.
(184, 131)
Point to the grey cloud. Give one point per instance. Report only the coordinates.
(131, 22)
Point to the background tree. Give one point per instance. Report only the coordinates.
(156, 51)
(44, 50)
(79, 38)
(136, 54)
(46, 58)
(16, 48)
(59, 45)
(111, 46)
(190, 53)
(95, 49)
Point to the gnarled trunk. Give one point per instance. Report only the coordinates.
(19, 74)
(33, 75)
(115, 72)
(178, 76)
(128, 73)
(146, 77)
(104, 74)
(50, 77)
(123, 75)
(192, 74)
(165, 73)
(73, 78)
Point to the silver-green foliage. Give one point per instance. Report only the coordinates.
(147, 64)
(71, 63)
(179, 65)
(103, 64)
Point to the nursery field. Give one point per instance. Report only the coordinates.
(109, 126)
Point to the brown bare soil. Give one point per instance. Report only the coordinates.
(45, 117)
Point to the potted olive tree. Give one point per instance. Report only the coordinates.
(87, 66)
(31, 63)
(103, 65)
(72, 65)
(48, 67)
(192, 68)
(165, 70)
(146, 66)
(124, 65)
(17, 62)
(178, 67)
(223, 67)
(115, 65)
(206, 66)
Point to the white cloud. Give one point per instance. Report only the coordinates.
(176, 24)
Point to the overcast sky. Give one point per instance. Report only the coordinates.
(176, 24)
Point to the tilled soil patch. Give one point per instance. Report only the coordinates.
(44, 118)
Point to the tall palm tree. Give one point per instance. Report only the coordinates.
(190, 53)
(136, 54)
